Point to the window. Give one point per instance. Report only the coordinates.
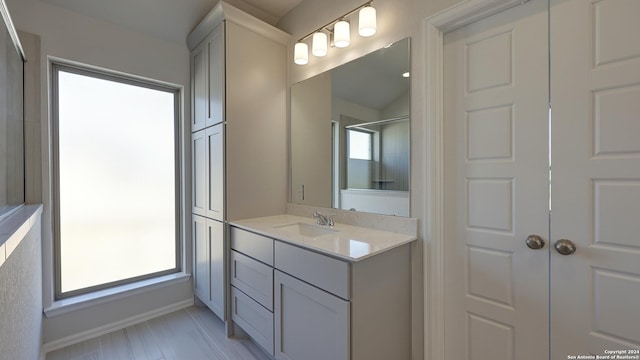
(116, 179)
(360, 144)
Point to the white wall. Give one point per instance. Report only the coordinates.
(71, 36)
(397, 19)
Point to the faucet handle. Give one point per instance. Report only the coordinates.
(330, 219)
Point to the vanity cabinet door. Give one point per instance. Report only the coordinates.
(310, 324)
(214, 138)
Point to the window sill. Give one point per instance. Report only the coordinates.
(75, 303)
(14, 226)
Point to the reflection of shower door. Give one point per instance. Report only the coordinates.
(506, 297)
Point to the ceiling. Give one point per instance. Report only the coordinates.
(375, 80)
(171, 20)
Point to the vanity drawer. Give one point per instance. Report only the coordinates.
(253, 278)
(325, 272)
(254, 319)
(257, 246)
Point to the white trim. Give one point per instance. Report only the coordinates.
(84, 301)
(118, 325)
(4, 13)
(224, 11)
(434, 28)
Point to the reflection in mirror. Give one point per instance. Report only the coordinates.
(350, 135)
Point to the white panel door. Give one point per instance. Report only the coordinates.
(595, 202)
(496, 186)
(492, 310)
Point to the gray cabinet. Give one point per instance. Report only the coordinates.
(253, 318)
(251, 273)
(310, 324)
(208, 262)
(207, 169)
(323, 307)
(238, 124)
(253, 278)
(214, 140)
(199, 173)
(207, 81)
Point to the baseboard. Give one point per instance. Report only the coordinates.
(118, 325)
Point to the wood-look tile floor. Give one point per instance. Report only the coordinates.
(194, 333)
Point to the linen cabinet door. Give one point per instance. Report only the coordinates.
(310, 324)
(215, 172)
(199, 173)
(216, 76)
(200, 258)
(215, 234)
(199, 77)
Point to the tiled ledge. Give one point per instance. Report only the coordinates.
(15, 227)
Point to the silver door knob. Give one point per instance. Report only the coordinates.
(565, 247)
(534, 242)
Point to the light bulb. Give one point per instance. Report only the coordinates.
(319, 45)
(301, 54)
(367, 21)
(342, 34)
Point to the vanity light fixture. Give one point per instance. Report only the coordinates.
(301, 54)
(319, 44)
(337, 33)
(341, 34)
(406, 74)
(367, 21)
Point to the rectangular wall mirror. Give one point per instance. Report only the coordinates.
(350, 132)
(11, 115)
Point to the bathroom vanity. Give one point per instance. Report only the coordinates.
(305, 291)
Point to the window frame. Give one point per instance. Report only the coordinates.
(98, 73)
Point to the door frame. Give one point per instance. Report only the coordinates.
(433, 30)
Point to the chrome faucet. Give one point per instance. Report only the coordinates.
(322, 219)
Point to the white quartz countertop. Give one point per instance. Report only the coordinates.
(346, 242)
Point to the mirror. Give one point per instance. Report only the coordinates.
(350, 135)
(11, 115)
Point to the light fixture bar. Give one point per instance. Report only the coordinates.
(333, 22)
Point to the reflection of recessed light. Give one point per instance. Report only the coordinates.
(405, 74)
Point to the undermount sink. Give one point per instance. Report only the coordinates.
(308, 230)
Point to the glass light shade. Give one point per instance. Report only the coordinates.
(301, 54)
(367, 21)
(319, 45)
(341, 34)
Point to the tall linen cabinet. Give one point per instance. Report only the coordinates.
(238, 147)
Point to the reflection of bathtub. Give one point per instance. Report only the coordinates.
(386, 202)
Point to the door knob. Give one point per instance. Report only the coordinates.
(565, 247)
(534, 242)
